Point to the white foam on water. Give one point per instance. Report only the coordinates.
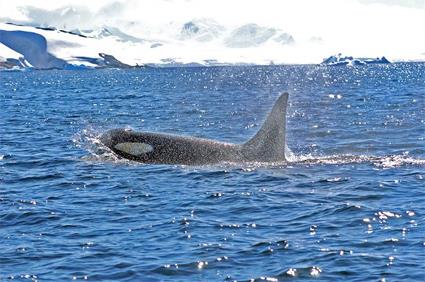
(88, 139)
(377, 161)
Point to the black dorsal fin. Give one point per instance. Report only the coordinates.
(269, 142)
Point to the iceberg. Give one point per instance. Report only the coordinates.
(339, 60)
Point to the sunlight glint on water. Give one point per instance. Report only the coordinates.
(347, 206)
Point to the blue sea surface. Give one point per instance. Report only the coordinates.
(348, 205)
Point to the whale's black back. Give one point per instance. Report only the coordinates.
(170, 149)
(268, 145)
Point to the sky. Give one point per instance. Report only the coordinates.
(394, 28)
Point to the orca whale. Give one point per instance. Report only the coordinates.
(267, 145)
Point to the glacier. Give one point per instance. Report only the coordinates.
(33, 48)
(25, 47)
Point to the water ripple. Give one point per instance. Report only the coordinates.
(347, 205)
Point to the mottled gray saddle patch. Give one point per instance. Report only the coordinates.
(134, 148)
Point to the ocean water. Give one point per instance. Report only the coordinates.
(348, 205)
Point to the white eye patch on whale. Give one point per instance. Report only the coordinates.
(134, 148)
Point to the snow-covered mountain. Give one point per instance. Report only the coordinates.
(208, 32)
(197, 43)
(50, 48)
(24, 46)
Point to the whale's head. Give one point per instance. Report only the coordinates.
(125, 142)
(114, 137)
